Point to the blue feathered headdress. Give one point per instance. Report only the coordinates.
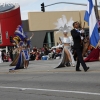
(20, 33)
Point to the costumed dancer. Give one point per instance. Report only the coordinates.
(21, 42)
(16, 41)
(95, 53)
(76, 34)
(26, 51)
(65, 27)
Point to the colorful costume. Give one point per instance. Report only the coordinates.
(25, 51)
(18, 41)
(95, 54)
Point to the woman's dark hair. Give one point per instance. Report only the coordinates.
(74, 23)
(18, 40)
(25, 40)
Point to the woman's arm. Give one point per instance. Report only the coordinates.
(31, 37)
(60, 40)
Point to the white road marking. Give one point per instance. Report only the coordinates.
(50, 90)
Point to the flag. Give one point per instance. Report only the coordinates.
(90, 18)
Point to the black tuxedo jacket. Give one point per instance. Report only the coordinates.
(76, 38)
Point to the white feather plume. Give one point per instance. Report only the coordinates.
(63, 25)
(64, 19)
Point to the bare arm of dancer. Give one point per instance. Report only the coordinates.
(31, 37)
(60, 40)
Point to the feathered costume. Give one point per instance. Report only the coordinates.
(18, 41)
(65, 27)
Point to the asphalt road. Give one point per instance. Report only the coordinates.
(42, 82)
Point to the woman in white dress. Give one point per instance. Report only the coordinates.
(67, 56)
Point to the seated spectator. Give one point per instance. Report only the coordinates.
(35, 49)
(33, 55)
(46, 51)
(7, 57)
(38, 56)
(57, 53)
(50, 54)
(90, 48)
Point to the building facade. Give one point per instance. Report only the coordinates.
(9, 20)
(42, 24)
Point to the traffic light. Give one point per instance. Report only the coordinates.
(42, 7)
(11, 39)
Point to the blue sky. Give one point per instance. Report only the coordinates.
(35, 5)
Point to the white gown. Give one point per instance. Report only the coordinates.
(63, 57)
(1, 57)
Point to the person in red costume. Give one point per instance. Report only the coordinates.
(95, 54)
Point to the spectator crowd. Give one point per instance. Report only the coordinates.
(41, 53)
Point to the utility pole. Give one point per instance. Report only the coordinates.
(96, 10)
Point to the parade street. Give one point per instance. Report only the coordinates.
(42, 82)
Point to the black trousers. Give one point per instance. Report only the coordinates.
(80, 59)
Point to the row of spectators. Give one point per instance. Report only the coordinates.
(52, 53)
(37, 54)
(6, 57)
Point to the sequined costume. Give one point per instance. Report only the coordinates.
(18, 41)
(65, 27)
(64, 58)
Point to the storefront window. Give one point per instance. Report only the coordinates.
(49, 39)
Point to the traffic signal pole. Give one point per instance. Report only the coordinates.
(43, 6)
(66, 3)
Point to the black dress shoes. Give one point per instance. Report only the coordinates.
(78, 70)
(86, 69)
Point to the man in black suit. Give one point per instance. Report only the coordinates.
(76, 34)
